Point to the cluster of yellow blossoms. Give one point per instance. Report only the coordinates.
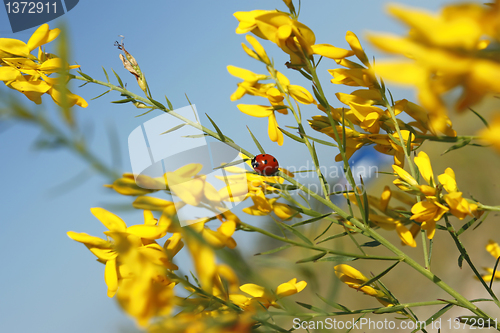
(445, 51)
(294, 38)
(363, 112)
(141, 272)
(30, 75)
(434, 204)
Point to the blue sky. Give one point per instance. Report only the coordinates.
(49, 282)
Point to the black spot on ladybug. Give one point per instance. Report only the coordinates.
(274, 160)
(265, 161)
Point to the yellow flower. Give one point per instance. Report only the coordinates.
(126, 185)
(250, 84)
(355, 279)
(111, 253)
(263, 206)
(428, 213)
(22, 71)
(494, 249)
(290, 35)
(443, 52)
(258, 51)
(265, 297)
(356, 77)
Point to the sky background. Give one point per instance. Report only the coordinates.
(50, 283)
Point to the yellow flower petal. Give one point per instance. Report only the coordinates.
(14, 47)
(355, 45)
(274, 133)
(300, 94)
(147, 231)
(424, 166)
(110, 220)
(111, 277)
(42, 35)
(259, 111)
(447, 179)
(253, 290)
(330, 51)
(88, 240)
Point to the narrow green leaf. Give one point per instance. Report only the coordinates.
(291, 136)
(169, 103)
(145, 113)
(323, 142)
(311, 307)
(354, 325)
(481, 117)
(86, 76)
(256, 142)
(390, 94)
(314, 219)
(274, 250)
(460, 260)
(379, 276)
(396, 141)
(104, 93)
(118, 78)
(306, 75)
(365, 210)
(338, 258)
(382, 84)
(158, 104)
(311, 258)
(342, 234)
(222, 137)
(324, 231)
(106, 73)
(174, 128)
(297, 233)
(333, 304)
(320, 98)
(458, 145)
(280, 107)
(438, 314)
(494, 271)
(231, 163)
(371, 244)
(126, 100)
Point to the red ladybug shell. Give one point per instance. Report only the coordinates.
(265, 164)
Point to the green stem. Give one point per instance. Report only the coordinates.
(146, 101)
(313, 247)
(465, 255)
(461, 301)
(400, 254)
(447, 138)
(369, 310)
(302, 130)
(492, 208)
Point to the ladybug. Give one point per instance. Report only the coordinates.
(265, 164)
